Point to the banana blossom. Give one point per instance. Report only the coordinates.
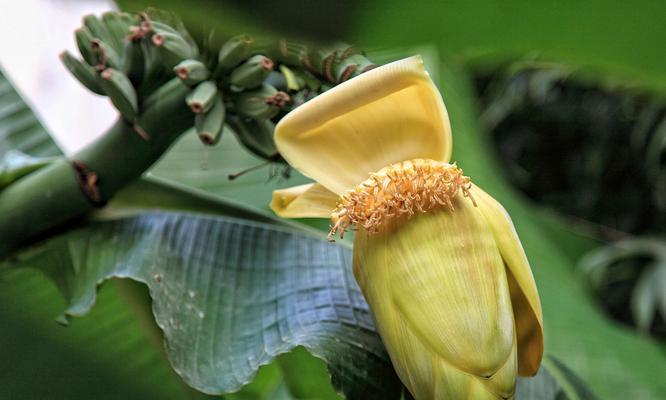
(438, 260)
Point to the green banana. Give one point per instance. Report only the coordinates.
(163, 93)
(121, 92)
(153, 67)
(252, 72)
(202, 97)
(264, 102)
(84, 41)
(309, 80)
(161, 27)
(191, 72)
(209, 125)
(134, 61)
(98, 29)
(173, 48)
(234, 51)
(256, 135)
(83, 72)
(350, 66)
(118, 25)
(105, 55)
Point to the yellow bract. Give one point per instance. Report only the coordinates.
(438, 291)
(389, 114)
(311, 200)
(437, 259)
(524, 295)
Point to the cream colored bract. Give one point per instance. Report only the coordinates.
(449, 286)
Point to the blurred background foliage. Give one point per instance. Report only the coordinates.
(563, 101)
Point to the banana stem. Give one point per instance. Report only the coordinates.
(70, 188)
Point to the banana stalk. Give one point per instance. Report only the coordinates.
(69, 188)
(131, 59)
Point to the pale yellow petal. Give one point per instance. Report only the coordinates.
(524, 294)
(311, 200)
(390, 114)
(442, 274)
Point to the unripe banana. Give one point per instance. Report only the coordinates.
(173, 48)
(168, 91)
(118, 25)
(134, 61)
(178, 29)
(161, 27)
(351, 66)
(83, 72)
(84, 41)
(105, 55)
(309, 80)
(255, 135)
(264, 102)
(234, 51)
(300, 98)
(116, 29)
(324, 59)
(191, 72)
(209, 125)
(152, 62)
(202, 98)
(121, 92)
(98, 29)
(252, 72)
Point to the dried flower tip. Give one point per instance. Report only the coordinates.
(267, 64)
(279, 99)
(136, 34)
(146, 26)
(158, 39)
(404, 188)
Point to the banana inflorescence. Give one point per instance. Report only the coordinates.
(248, 84)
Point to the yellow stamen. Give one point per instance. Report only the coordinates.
(404, 188)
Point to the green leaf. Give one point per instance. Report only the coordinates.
(19, 128)
(16, 164)
(644, 297)
(229, 295)
(106, 355)
(553, 382)
(581, 34)
(648, 292)
(306, 378)
(182, 166)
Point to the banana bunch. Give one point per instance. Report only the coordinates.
(248, 84)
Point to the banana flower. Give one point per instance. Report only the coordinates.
(438, 260)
